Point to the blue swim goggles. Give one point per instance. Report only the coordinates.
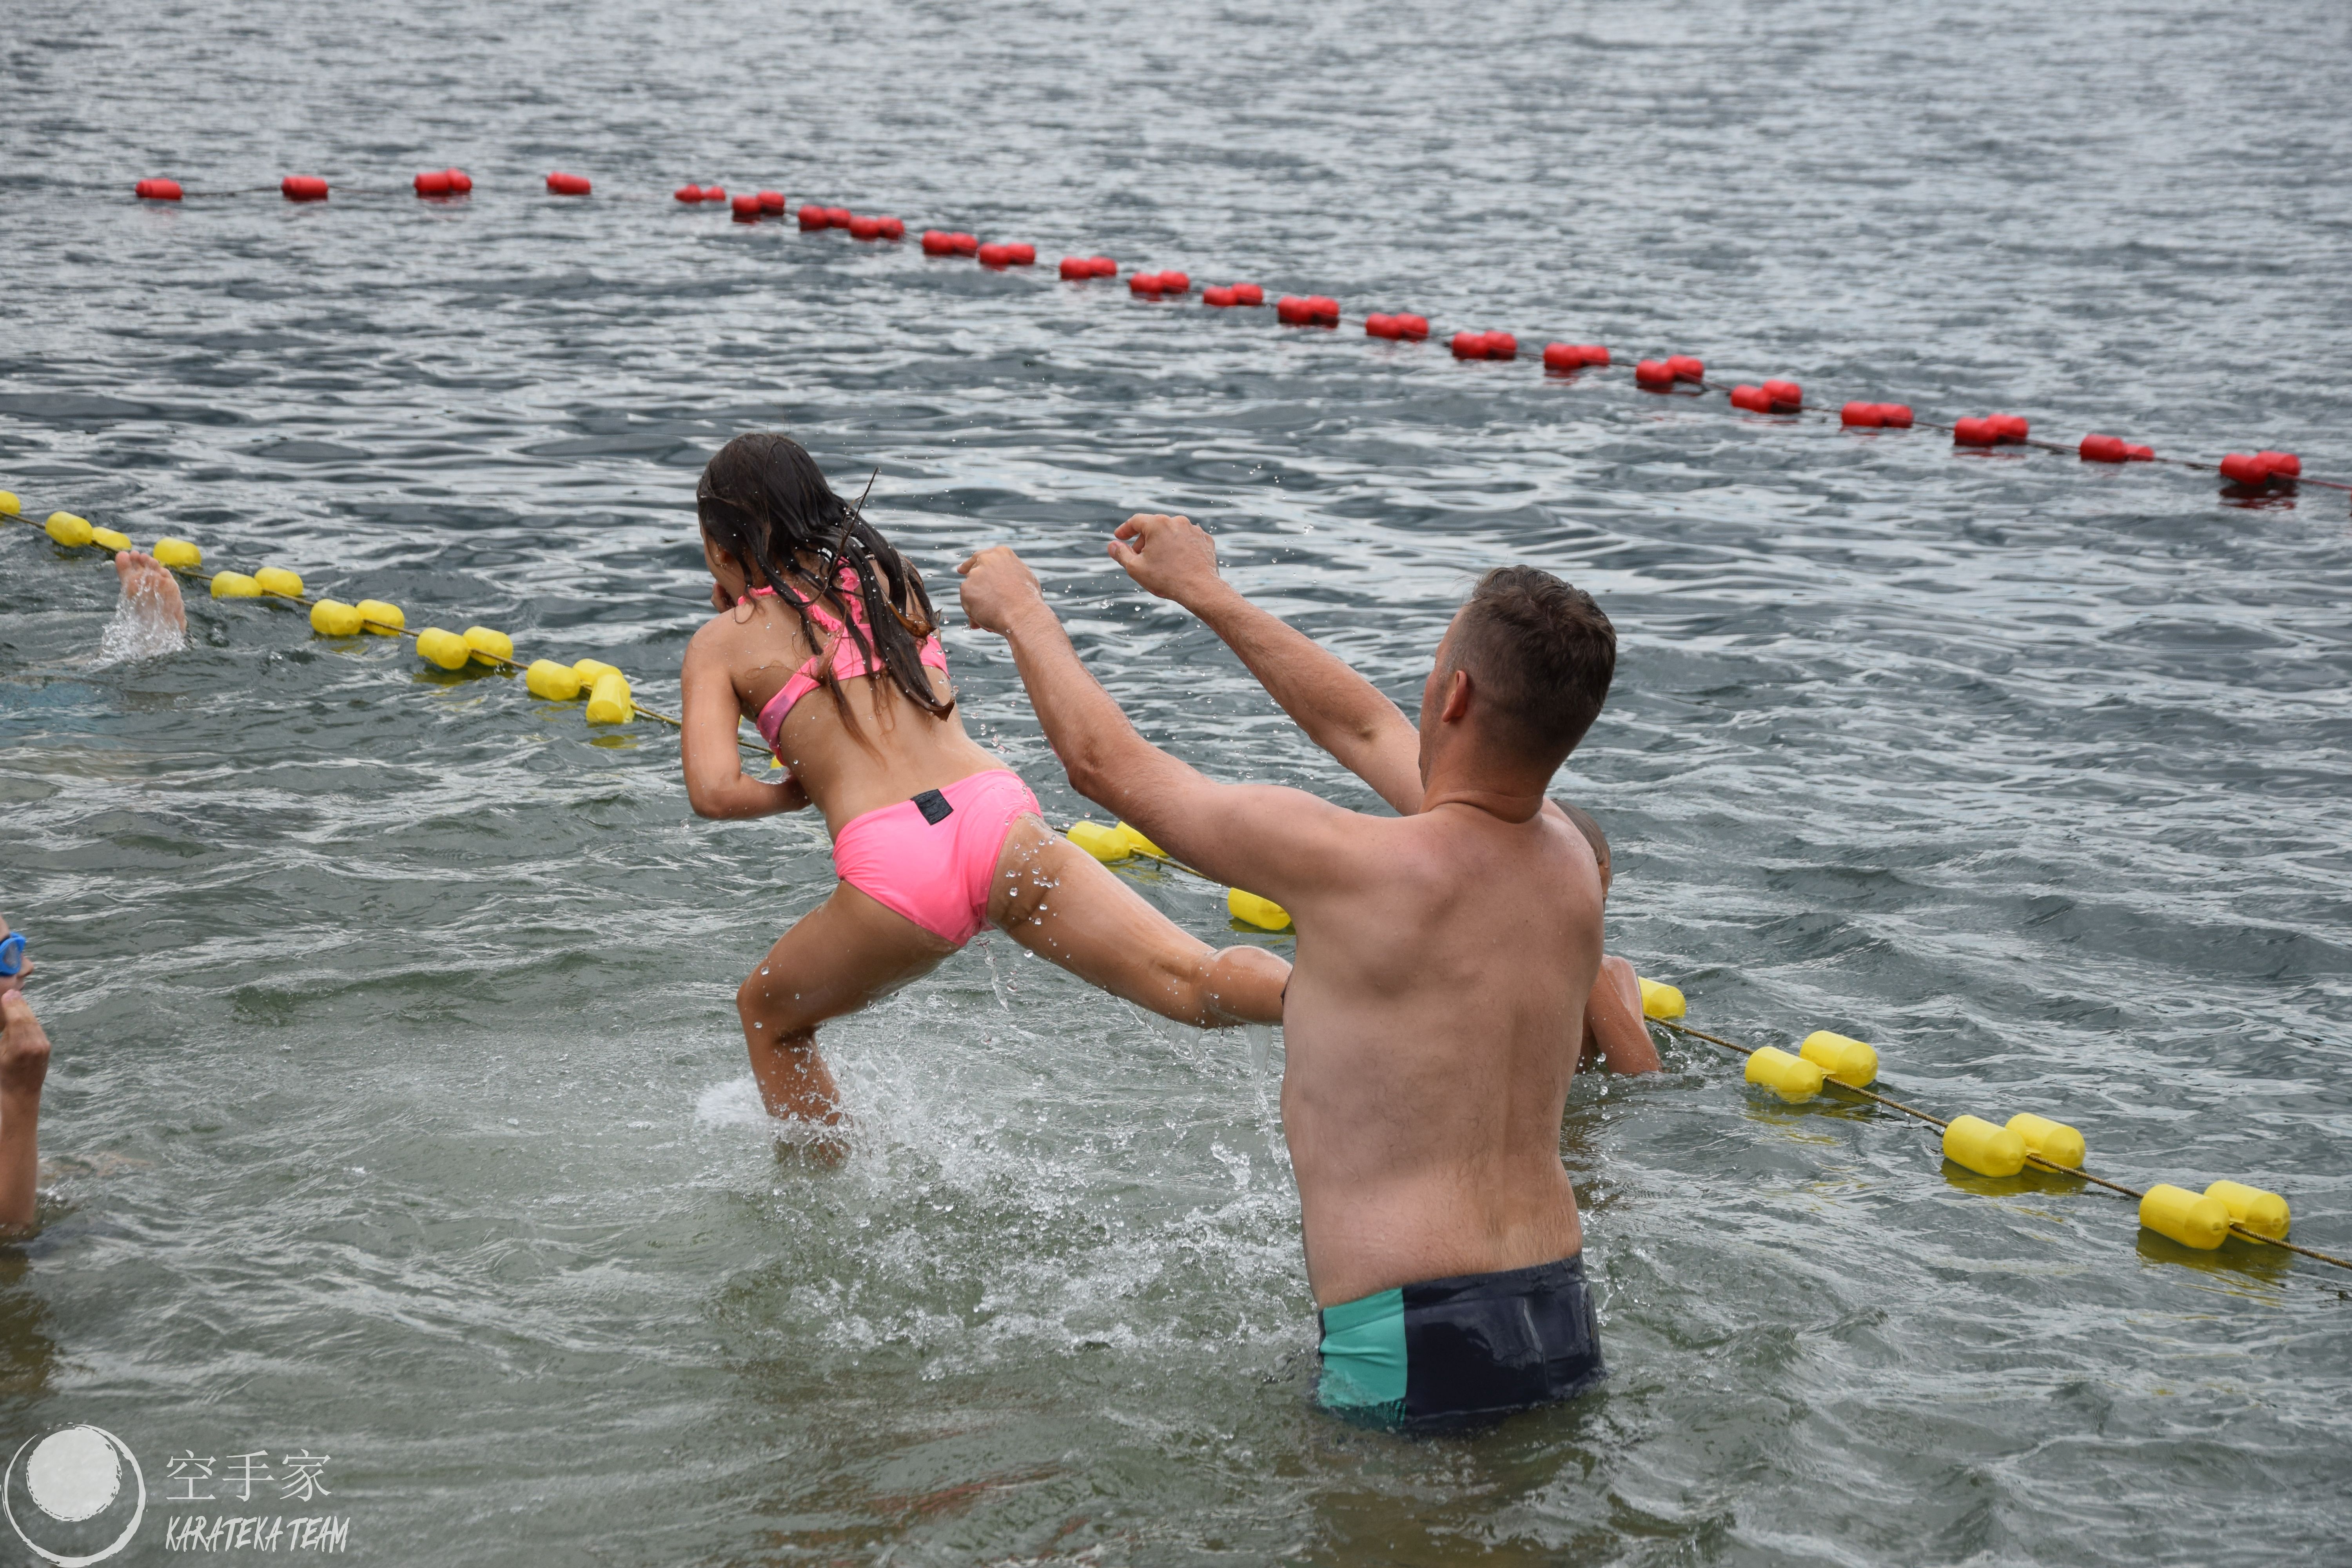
(12, 953)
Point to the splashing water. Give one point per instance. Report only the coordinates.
(142, 629)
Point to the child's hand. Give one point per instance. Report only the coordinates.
(24, 1046)
(997, 586)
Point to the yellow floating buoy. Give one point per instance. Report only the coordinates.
(1251, 909)
(446, 649)
(382, 619)
(67, 529)
(1793, 1079)
(278, 581)
(106, 539)
(1987, 1150)
(1137, 844)
(2264, 1214)
(556, 682)
(1105, 844)
(609, 702)
(1660, 1000)
(2192, 1219)
(9, 505)
(235, 585)
(2053, 1142)
(1843, 1058)
(333, 618)
(490, 648)
(178, 554)
(589, 670)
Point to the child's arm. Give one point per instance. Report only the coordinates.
(24, 1065)
(716, 784)
(1615, 1038)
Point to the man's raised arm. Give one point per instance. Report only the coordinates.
(1340, 709)
(1278, 842)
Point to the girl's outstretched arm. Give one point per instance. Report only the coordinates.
(716, 784)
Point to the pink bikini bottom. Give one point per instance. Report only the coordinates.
(933, 859)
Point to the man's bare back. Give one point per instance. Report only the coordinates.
(1436, 1010)
(1431, 1030)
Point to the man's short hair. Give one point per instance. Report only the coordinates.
(1542, 652)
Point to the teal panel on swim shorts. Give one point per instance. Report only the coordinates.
(1363, 1353)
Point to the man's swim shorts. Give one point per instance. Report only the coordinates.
(1461, 1351)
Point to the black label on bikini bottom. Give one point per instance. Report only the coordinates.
(934, 806)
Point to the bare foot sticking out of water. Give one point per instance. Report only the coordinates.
(150, 618)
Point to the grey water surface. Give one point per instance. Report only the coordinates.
(399, 1114)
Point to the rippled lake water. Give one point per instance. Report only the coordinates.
(399, 1114)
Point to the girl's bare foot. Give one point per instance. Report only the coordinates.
(149, 589)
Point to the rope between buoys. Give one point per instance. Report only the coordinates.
(2235, 1228)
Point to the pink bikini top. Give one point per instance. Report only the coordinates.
(848, 663)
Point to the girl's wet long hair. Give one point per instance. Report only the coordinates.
(763, 501)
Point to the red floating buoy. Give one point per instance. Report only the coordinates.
(746, 209)
(1026, 256)
(1469, 345)
(1686, 367)
(864, 228)
(158, 190)
(562, 184)
(1502, 345)
(1324, 309)
(891, 228)
(1076, 269)
(1894, 415)
(2010, 427)
(1104, 267)
(1563, 357)
(1249, 294)
(1653, 375)
(2246, 468)
(812, 217)
(433, 182)
(1594, 353)
(1378, 325)
(689, 193)
(1146, 283)
(1411, 329)
(965, 244)
(1783, 395)
(837, 216)
(1750, 398)
(303, 188)
(1175, 283)
(2096, 448)
(2138, 453)
(773, 202)
(460, 181)
(1975, 433)
(936, 242)
(714, 193)
(1217, 295)
(2282, 465)
(994, 255)
(1862, 415)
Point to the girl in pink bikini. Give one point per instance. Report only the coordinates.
(826, 639)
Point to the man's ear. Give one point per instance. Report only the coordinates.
(1458, 697)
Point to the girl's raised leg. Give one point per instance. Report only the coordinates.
(843, 955)
(1061, 903)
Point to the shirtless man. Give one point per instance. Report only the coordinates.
(1173, 559)
(1445, 960)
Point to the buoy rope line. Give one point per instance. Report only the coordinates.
(2035, 1160)
(2248, 474)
